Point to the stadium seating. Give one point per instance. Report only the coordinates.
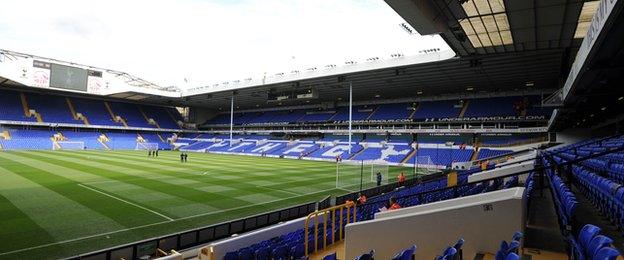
(489, 153)
(406, 254)
(12, 109)
(95, 111)
(499, 106)
(158, 138)
(442, 156)
(162, 117)
(392, 112)
(436, 109)
(317, 116)
(131, 113)
(334, 151)
(28, 140)
(122, 141)
(53, 109)
(509, 251)
(389, 153)
(359, 113)
(90, 139)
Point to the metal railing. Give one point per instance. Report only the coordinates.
(326, 215)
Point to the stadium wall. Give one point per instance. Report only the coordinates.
(482, 220)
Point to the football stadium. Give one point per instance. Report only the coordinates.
(465, 129)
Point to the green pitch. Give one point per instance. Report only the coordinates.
(62, 203)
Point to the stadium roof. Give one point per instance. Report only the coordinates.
(501, 46)
(513, 71)
(500, 26)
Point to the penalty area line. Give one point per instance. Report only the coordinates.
(125, 201)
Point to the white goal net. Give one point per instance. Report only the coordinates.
(424, 165)
(68, 145)
(355, 174)
(146, 146)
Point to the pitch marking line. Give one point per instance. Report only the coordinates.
(122, 200)
(153, 224)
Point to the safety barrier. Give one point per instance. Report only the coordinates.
(326, 215)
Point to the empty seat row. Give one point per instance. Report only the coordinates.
(590, 245)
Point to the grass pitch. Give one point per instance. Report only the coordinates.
(62, 203)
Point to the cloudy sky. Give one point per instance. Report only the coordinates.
(206, 41)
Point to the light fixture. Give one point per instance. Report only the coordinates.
(377, 95)
(592, 115)
(350, 62)
(329, 66)
(419, 92)
(621, 98)
(257, 105)
(396, 55)
(603, 108)
(339, 98)
(529, 84)
(469, 88)
(372, 59)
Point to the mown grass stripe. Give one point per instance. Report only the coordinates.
(17, 230)
(241, 187)
(124, 174)
(104, 205)
(51, 210)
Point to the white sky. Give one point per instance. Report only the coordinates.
(209, 41)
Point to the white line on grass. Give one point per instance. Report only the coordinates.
(122, 200)
(154, 224)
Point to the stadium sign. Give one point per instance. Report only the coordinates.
(486, 119)
(603, 12)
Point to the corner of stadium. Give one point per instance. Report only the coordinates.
(506, 145)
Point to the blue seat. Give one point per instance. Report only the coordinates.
(297, 251)
(607, 253)
(449, 253)
(245, 254)
(230, 256)
(513, 247)
(262, 253)
(587, 233)
(406, 254)
(596, 244)
(458, 245)
(330, 257)
(280, 253)
(367, 256)
(512, 256)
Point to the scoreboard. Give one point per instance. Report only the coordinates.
(66, 77)
(52, 75)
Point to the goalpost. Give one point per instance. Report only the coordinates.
(68, 145)
(424, 165)
(146, 146)
(356, 174)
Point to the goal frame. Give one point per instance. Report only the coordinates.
(365, 167)
(147, 146)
